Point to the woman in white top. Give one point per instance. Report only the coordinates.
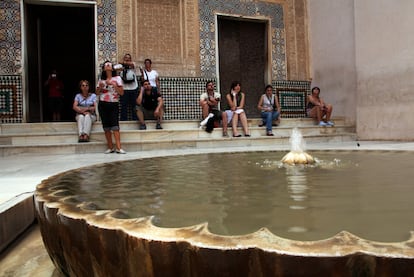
(235, 109)
(84, 105)
(269, 108)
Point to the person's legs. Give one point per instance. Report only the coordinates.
(234, 122)
(224, 122)
(316, 113)
(80, 119)
(140, 115)
(87, 126)
(117, 136)
(132, 102)
(267, 118)
(328, 112)
(204, 108)
(245, 125)
(124, 105)
(108, 136)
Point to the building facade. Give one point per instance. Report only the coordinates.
(189, 42)
(359, 53)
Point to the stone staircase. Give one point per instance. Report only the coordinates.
(61, 137)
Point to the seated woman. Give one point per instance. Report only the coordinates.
(235, 110)
(84, 106)
(270, 108)
(318, 109)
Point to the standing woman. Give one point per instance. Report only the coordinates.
(235, 109)
(84, 105)
(109, 89)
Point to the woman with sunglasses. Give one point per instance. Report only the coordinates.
(84, 106)
(109, 89)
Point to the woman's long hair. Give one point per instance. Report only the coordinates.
(234, 84)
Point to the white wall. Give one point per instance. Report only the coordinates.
(363, 59)
(332, 41)
(385, 69)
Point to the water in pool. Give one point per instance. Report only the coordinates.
(366, 193)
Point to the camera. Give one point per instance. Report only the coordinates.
(118, 66)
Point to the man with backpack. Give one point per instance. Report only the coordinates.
(130, 88)
(150, 105)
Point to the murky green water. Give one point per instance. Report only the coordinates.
(370, 194)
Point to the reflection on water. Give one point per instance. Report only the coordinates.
(366, 193)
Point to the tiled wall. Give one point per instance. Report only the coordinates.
(272, 11)
(292, 97)
(182, 95)
(11, 108)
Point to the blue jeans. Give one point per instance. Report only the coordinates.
(268, 118)
(128, 103)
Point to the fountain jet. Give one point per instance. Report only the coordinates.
(297, 154)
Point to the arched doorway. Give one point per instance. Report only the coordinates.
(243, 57)
(59, 36)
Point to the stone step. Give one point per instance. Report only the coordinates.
(61, 138)
(99, 147)
(70, 127)
(165, 134)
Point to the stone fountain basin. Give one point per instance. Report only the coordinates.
(83, 241)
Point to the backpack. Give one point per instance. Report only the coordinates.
(128, 76)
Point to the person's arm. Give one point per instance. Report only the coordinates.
(260, 104)
(139, 98)
(75, 106)
(314, 101)
(118, 85)
(79, 109)
(277, 104)
(157, 82)
(93, 106)
(230, 102)
(160, 104)
(241, 106)
(203, 99)
(100, 87)
(211, 101)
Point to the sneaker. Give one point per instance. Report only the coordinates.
(120, 151)
(158, 126)
(109, 151)
(204, 122)
(322, 124)
(330, 123)
(143, 127)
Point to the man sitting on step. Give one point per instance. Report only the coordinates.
(209, 102)
(150, 105)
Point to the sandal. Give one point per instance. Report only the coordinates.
(247, 135)
(225, 134)
(237, 136)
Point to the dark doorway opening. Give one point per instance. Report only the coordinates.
(61, 38)
(243, 58)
